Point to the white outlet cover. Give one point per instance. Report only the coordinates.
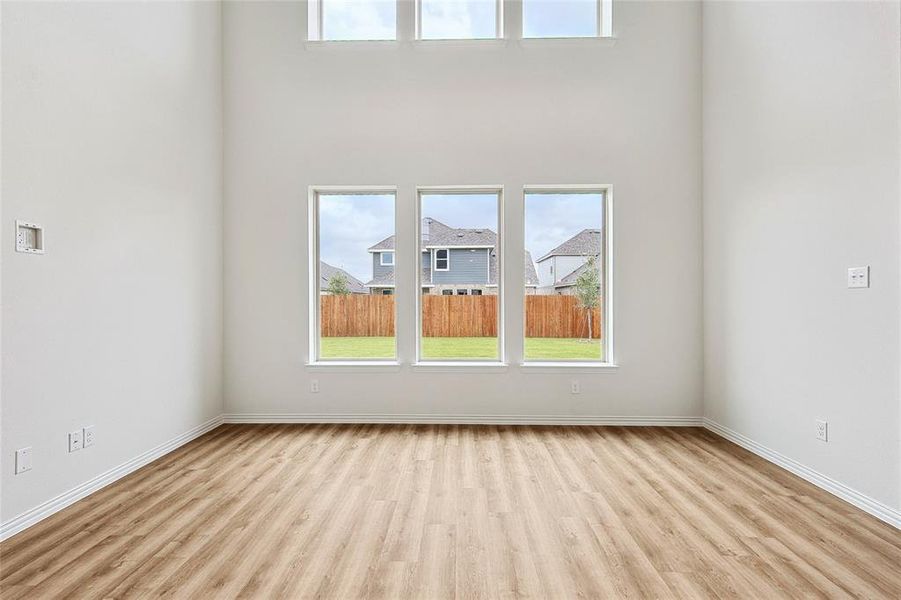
(314, 386)
(88, 436)
(822, 431)
(575, 388)
(859, 277)
(23, 460)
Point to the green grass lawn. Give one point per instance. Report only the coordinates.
(455, 348)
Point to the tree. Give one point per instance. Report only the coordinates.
(588, 289)
(337, 285)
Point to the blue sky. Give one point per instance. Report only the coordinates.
(348, 225)
(376, 19)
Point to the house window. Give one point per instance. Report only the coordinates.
(351, 319)
(567, 309)
(442, 259)
(459, 227)
(476, 292)
(566, 18)
(352, 20)
(459, 19)
(386, 259)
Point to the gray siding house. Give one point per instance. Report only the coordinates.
(453, 261)
(559, 269)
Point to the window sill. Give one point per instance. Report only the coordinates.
(458, 366)
(568, 367)
(354, 365)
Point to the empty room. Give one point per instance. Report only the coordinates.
(435, 299)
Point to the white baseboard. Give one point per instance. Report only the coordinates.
(27, 519)
(865, 503)
(42, 511)
(436, 419)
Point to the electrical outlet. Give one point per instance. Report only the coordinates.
(23, 460)
(822, 431)
(314, 386)
(87, 436)
(575, 388)
(75, 441)
(859, 277)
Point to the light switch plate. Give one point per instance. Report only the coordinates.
(29, 238)
(859, 277)
(75, 441)
(23, 460)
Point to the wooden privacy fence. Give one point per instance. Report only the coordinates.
(358, 315)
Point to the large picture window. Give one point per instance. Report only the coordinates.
(352, 287)
(566, 277)
(459, 275)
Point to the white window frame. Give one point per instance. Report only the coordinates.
(316, 24)
(609, 362)
(435, 260)
(603, 14)
(315, 192)
(382, 254)
(477, 363)
(498, 24)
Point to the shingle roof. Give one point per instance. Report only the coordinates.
(436, 233)
(385, 244)
(571, 278)
(585, 243)
(327, 271)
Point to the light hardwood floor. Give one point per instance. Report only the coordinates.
(348, 511)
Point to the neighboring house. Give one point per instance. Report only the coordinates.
(453, 261)
(559, 269)
(327, 271)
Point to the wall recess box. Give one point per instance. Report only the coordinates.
(29, 238)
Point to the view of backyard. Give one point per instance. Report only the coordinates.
(460, 347)
(459, 276)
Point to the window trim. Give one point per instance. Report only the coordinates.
(382, 254)
(435, 260)
(498, 24)
(314, 358)
(477, 363)
(608, 323)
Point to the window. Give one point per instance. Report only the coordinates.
(476, 292)
(459, 19)
(460, 245)
(442, 259)
(567, 281)
(386, 259)
(566, 18)
(352, 19)
(352, 303)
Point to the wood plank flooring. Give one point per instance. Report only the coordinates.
(394, 511)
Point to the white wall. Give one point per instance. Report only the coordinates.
(111, 138)
(801, 181)
(580, 111)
